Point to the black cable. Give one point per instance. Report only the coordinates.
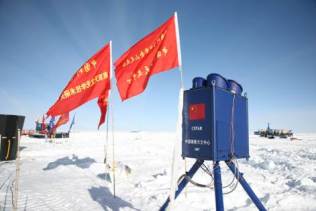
(189, 179)
(232, 127)
(206, 170)
(236, 175)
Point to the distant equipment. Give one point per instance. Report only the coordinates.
(9, 126)
(271, 133)
(215, 127)
(43, 130)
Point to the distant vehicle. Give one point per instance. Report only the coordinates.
(43, 130)
(272, 133)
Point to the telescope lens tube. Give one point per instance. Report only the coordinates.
(198, 82)
(220, 81)
(234, 87)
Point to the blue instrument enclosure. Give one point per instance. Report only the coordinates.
(215, 124)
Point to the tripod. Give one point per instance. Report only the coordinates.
(218, 185)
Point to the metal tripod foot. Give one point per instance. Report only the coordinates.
(183, 183)
(245, 186)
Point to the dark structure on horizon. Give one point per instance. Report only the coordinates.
(272, 133)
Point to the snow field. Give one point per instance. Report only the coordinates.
(71, 175)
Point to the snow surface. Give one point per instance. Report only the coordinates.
(70, 174)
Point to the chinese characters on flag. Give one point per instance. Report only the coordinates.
(157, 52)
(90, 81)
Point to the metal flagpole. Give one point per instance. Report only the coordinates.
(106, 141)
(176, 146)
(185, 171)
(113, 152)
(17, 173)
(110, 112)
(179, 48)
(112, 122)
(107, 119)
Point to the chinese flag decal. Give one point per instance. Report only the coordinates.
(90, 81)
(159, 51)
(197, 111)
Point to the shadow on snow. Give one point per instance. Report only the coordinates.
(104, 197)
(66, 161)
(105, 176)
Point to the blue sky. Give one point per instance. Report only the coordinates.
(267, 46)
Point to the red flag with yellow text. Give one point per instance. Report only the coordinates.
(90, 81)
(159, 51)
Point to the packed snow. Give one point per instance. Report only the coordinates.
(70, 174)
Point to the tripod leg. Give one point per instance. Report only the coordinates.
(183, 183)
(246, 186)
(218, 187)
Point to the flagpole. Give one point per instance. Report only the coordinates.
(106, 142)
(113, 153)
(17, 172)
(176, 146)
(178, 48)
(112, 121)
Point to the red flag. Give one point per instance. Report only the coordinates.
(63, 119)
(103, 104)
(90, 81)
(157, 52)
(197, 111)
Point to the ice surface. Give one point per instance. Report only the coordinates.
(70, 174)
